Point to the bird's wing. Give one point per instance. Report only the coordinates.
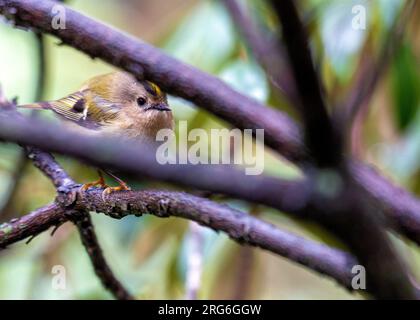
(72, 107)
(80, 107)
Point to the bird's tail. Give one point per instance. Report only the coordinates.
(35, 106)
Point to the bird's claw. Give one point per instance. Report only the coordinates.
(108, 190)
(100, 183)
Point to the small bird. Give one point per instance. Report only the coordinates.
(115, 104)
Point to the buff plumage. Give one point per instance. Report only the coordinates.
(114, 104)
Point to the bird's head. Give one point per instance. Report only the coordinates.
(140, 105)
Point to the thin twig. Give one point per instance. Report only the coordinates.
(88, 236)
(321, 139)
(370, 71)
(265, 50)
(18, 172)
(62, 181)
(8, 208)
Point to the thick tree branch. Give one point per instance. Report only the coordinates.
(241, 227)
(63, 183)
(281, 132)
(401, 207)
(57, 139)
(321, 139)
(46, 163)
(135, 159)
(323, 143)
(238, 225)
(175, 77)
(31, 224)
(131, 159)
(113, 205)
(347, 211)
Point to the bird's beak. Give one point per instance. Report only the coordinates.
(159, 107)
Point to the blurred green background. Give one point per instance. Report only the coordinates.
(148, 254)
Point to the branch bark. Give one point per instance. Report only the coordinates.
(108, 152)
(241, 227)
(321, 139)
(401, 207)
(347, 210)
(146, 61)
(117, 205)
(46, 163)
(141, 59)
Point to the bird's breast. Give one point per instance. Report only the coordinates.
(144, 129)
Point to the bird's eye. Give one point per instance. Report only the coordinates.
(141, 101)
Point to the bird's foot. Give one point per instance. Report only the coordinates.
(99, 183)
(122, 187)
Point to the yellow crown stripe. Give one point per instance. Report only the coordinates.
(157, 89)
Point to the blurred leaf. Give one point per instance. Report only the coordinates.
(405, 86)
(389, 9)
(247, 77)
(217, 253)
(154, 275)
(205, 39)
(16, 273)
(408, 161)
(341, 41)
(16, 65)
